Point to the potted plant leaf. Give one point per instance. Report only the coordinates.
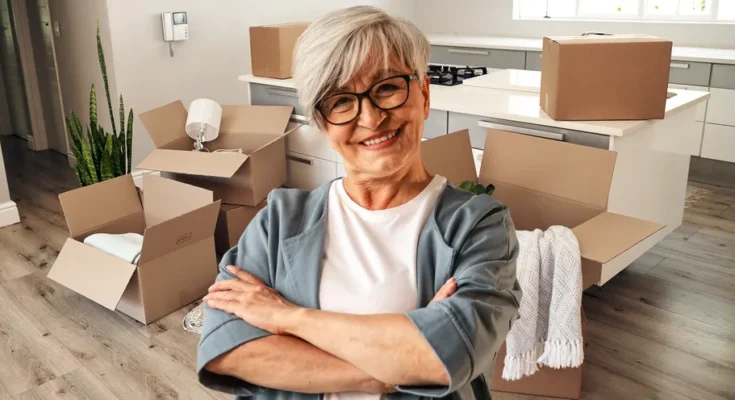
(101, 155)
(477, 188)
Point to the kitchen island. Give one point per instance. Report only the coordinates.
(651, 170)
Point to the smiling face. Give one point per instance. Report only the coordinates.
(378, 144)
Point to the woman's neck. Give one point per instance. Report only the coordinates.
(390, 191)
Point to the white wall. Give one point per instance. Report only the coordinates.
(206, 65)
(494, 18)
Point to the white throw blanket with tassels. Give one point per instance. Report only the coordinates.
(549, 330)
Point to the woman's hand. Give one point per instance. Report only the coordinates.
(445, 291)
(252, 301)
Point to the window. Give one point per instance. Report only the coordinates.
(644, 10)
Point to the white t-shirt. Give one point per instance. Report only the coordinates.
(369, 262)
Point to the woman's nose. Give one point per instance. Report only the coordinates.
(370, 116)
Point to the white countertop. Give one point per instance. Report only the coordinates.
(519, 105)
(679, 53)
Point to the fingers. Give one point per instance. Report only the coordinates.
(223, 305)
(445, 291)
(234, 285)
(244, 276)
(225, 295)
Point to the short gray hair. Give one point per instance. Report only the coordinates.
(335, 47)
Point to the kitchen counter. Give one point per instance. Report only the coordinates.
(678, 53)
(521, 106)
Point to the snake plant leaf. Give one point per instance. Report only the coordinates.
(467, 185)
(103, 67)
(129, 141)
(490, 189)
(93, 107)
(106, 171)
(89, 162)
(77, 124)
(77, 146)
(122, 116)
(96, 150)
(115, 155)
(121, 151)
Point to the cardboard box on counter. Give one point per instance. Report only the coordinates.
(177, 262)
(546, 182)
(617, 77)
(231, 224)
(235, 178)
(271, 49)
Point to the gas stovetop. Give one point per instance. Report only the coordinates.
(450, 75)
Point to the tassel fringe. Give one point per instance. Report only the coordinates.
(562, 354)
(515, 368)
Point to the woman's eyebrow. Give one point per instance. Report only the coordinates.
(384, 73)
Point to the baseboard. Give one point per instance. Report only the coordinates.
(9, 214)
(138, 176)
(712, 172)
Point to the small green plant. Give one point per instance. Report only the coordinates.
(101, 155)
(477, 188)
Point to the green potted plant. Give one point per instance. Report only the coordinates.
(101, 155)
(477, 188)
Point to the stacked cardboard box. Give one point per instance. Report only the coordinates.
(242, 165)
(271, 49)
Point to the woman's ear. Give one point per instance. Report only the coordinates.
(425, 90)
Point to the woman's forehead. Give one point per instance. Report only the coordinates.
(368, 76)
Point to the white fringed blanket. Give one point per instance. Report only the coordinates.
(549, 330)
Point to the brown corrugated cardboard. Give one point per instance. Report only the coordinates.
(232, 221)
(177, 262)
(235, 178)
(618, 77)
(271, 49)
(545, 182)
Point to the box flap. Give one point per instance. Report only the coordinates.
(165, 198)
(166, 123)
(602, 39)
(179, 232)
(607, 235)
(244, 119)
(450, 156)
(570, 171)
(94, 274)
(223, 164)
(95, 205)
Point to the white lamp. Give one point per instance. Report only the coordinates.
(203, 121)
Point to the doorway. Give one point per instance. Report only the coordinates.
(29, 74)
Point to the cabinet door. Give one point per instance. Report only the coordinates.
(533, 60)
(719, 142)
(436, 124)
(690, 73)
(477, 157)
(477, 57)
(267, 95)
(308, 173)
(458, 121)
(310, 141)
(720, 109)
(701, 107)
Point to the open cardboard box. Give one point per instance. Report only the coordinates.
(235, 178)
(177, 263)
(231, 224)
(545, 182)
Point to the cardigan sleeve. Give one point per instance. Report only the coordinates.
(223, 331)
(467, 329)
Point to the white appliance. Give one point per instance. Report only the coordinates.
(175, 27)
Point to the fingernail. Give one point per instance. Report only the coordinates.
(231, 268)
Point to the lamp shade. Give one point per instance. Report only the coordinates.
(203, 121)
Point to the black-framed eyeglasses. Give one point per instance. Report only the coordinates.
(386, 94)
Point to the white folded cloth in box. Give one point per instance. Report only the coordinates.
(549, 330)
(126, 246)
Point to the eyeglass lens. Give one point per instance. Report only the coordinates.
(386, 94)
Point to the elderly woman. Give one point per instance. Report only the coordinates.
(390, 280)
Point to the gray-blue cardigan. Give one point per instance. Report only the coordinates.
(469, 237)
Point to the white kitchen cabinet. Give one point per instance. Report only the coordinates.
(310, 141)
(436, 124)
(308, 173)
(341, 173)
(458, 122)
(477, 157)
(721, 107)
(718, 142)
(701, 107)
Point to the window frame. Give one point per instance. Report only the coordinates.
(641, 16)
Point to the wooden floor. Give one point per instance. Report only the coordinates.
(662, 329)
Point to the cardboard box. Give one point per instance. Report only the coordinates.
(545, 182)
(235, 178)
(231, 224)
(271, 49)
(619, 77)
(177, 263)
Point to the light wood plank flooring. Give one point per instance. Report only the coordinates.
(662, 329)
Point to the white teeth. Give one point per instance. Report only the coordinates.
(380, 139)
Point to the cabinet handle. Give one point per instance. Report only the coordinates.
(522, 131)
(300, 160)
(281, 92)
(466, 51)
(298, 118)
(680, 65)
